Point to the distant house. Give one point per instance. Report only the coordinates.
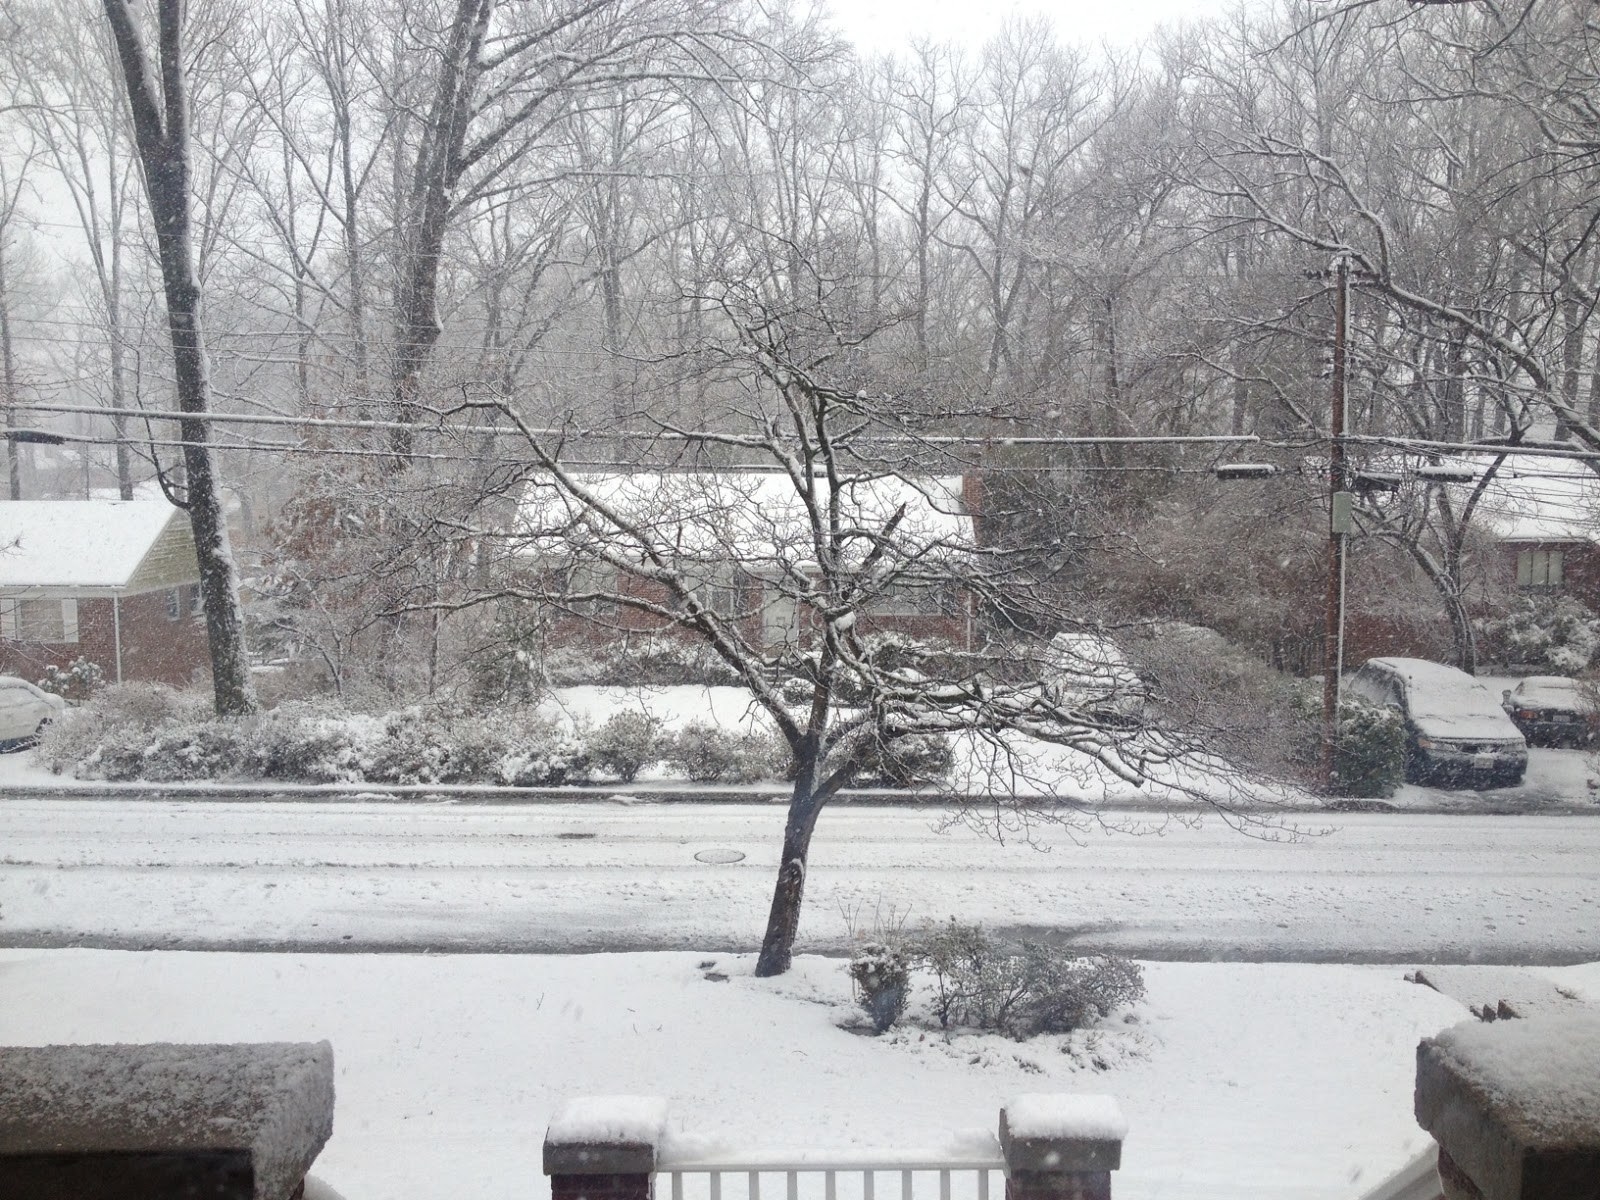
(1544, 515)
(745, 540)
(112, 581)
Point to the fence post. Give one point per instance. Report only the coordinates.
(151, 1122)
(605, 1148)
(1061, 1147)
(1515, 1107)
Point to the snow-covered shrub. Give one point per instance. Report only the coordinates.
(192, 750)
(881, 979)
(1251, 713)
(81, 680)
(795, 690)
(1022, 991)
(648, 660)
(311, 743)
(107, 737)
(1371, 759)
(556, 758)
(434, 745)
(886, 652)
(708, 753)
(903, 760)
(1065, 992)
(519, 747)
(625, 743)
(1557, 635)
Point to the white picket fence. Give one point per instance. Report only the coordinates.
(971, 1174)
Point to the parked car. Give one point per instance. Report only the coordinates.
(1552, 710)
(24, 712)
(1456, 730)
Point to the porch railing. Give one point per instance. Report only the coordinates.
(965, 1174)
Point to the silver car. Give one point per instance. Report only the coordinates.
(24, 712)
(1456, 730)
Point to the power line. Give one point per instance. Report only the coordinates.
(688, 435)
(1425, 446)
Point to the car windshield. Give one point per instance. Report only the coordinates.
(1549, 691)
(1472, 700)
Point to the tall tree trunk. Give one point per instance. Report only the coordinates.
(783, 920)
(8, 381)
(162, 131)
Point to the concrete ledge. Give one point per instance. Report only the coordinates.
(1515, 1107)
(1052, 1135)
(605, 1136)
(152, 1122)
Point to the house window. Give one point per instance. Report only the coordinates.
(197, 601)
(903, 599)
(721, 593)
(585, 580)
(1539, 568)
(39, 622)
(175, 604)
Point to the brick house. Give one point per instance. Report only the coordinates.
(112, 581)
(746, 538)
(1546, 524)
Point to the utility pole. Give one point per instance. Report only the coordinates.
(1339, 527)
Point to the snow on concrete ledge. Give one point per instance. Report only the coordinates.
(1065, 1117)
(1545, 1069)
(598, 1120)
(1516, 1104)
(227, 1120)
(594, 1135)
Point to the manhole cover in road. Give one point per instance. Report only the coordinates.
(721, 857)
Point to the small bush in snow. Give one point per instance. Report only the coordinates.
(1556, 635)
(795, 690)
(194, 750)
(81, 680)
(881, 979)
(432, 745)
(625, 744)
(1022, 991)
(1371, 759)
(904, 760)
(710, 754)
(648, 661)
(310, 743)
(107, 737)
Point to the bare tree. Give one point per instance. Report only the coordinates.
(499, 79)
(158, 102)
(786, 571)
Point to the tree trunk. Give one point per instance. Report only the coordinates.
(161, 127)
(8, 382)
(783, 921)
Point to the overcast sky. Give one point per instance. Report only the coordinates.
(878, 26)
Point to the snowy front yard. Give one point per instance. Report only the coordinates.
(1241, 1082)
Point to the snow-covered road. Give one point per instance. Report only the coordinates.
(1375, 888)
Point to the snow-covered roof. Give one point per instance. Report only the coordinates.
(93, 547)
(1534, 499)
(756, 519)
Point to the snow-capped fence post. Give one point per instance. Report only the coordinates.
(605, 1148)
(1061, 1147)
(1514, 1106)
(150, 1122)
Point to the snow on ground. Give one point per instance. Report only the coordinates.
(1240, 1082)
